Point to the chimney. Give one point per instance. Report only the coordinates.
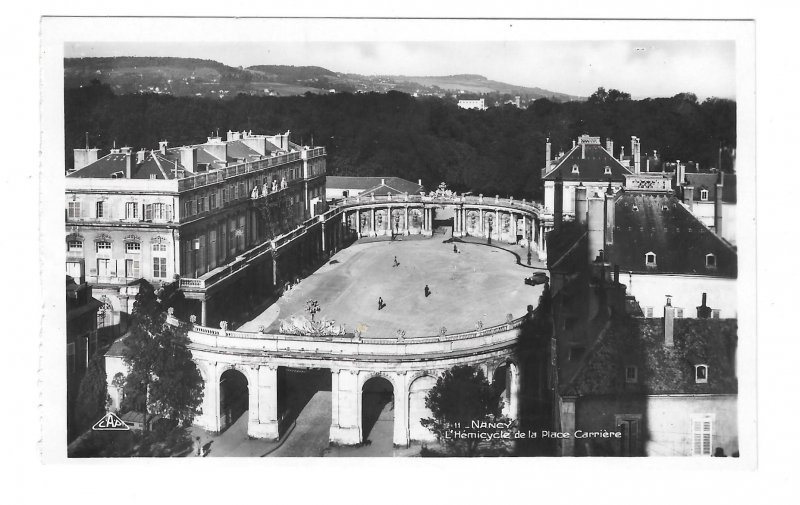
(419, 182)
(610, 147)
(162, 146)
(718, 207)
(128, 164)
(189, 158)
(547, 153)
(558, 213)
(621, 153)
(581, 204)
(703, 311)
(609, 214)
(648, 164)
(688, 193)
(140, 156)
(595, 224)
(125, 150)
(635, 154)
(383, 182)
(679, 172)
(230, 136)
(583, 151)
(84, 157)
(573, 144)
(669, 316)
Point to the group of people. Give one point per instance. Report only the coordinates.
(382, 304)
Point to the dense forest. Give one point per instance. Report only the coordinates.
(497, 151)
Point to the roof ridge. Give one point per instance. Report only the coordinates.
(158, 164)
(706, 228)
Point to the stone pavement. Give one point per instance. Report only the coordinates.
(233, 442)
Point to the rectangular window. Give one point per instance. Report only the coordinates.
(201, 204)
(212, 201)
(132, 269)
(715, 313)
(631, 374)
(159, 267)
(103, 247)
(187, 209)
(678, 312)
(702, 434)
(75, 246)
(224, 196)
(74, 270)
(73, 210)
(71, 357)
(131, 210)
(148, 212)
(648, 312)
(159, 248)
(158, 212)
(103, 267)
(133, 247)
(99, 208)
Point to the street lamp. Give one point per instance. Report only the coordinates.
(530, 237)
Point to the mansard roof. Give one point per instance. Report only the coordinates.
(659, 223)
(591, 165)
(639, 342)
(113, 165)
(376, 185)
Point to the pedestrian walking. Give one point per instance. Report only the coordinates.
(396, 263)
(198, 447)
(380, 303)
(427, 291)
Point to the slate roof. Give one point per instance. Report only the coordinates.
(155, 163)
(396, 185)
(661, 370)
(659, 223)
(239, 150)
(591, 168)
(708, 181)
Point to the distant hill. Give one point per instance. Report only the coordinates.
(199, 77)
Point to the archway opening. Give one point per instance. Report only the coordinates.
(233, 397)
(304, 397)
(377, 411)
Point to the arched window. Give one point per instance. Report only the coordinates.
(701, 374)
(704, 195)
(650, 259)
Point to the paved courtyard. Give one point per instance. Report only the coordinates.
(478, 283)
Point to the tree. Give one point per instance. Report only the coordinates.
(163, 379)
(93, 398)
(461, 396)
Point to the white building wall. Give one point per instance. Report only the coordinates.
(669, 423)
(687, 291)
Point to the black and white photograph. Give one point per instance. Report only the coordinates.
(398, 248)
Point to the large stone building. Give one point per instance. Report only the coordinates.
(198, 213)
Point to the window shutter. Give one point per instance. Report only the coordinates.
(169, 212)
(148, 212)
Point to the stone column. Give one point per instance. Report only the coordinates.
(209, 419)
(322, 228)
(203, 311)
(372, 232)
(524, 227)
(513, 219)
(263, 421)
(513, 392)
(407, 225)
(480, 226)
(400, 437)
(274, 269)
(358, 223)
(497, 226)
(345, 418)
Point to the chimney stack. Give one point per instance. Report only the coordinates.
(84, 157)
(583, 150)
(547, 153)
(162, 146)
(635, 154)
(573, 144)
(189, 158)
(419, 182)
(718, 207)
(610, 147)
(581, 204)
(669, 316)
(621, 153)
(140, 156)
(128, 164)
(679, 173)
(689, 190)
(595, 223)
(609, 213)
(558, 213)
(703, 311)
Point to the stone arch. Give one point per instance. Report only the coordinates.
(505, 379)
(473, 222)
(418, 389)
(234, 395)
(377, 406)
(416, 220)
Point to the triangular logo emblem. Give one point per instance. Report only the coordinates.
(110, 422)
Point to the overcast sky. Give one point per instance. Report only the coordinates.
(641, 68)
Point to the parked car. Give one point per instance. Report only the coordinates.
(536, 279)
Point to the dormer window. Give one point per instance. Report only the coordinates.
(650, 259)
(711, 261)
(701, 374)
(575, 169)
(631, 374)
(607, 170)
(704, 195)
